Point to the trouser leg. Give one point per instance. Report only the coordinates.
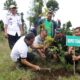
(12, 40)
(68, 59)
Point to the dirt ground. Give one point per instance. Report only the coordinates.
(53, 75)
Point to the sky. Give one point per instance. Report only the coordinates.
(68, 10)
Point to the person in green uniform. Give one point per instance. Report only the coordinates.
(49, 24)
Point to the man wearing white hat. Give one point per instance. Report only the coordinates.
(13, 26)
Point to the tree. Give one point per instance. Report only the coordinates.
(8, 3)
(22, 19)
(36, 10)
(68, 24)
(53, 4)
(66, 28)
(38, 6)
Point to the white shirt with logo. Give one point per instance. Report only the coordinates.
(13, 22)
(19, 50)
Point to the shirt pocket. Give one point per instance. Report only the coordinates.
(10, 21)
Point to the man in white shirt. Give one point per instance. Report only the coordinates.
(13, 26)
(19, 53)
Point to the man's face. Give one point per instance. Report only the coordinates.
(49, 16)
(77, 32)
(13, 10)
(44, 34)
(30, 42)
(59, 35)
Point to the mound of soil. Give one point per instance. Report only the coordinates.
(53, 75)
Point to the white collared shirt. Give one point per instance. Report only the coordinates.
(20, 50)
(13, 22)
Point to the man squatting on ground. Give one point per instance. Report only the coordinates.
(19, 53)
(39, 40)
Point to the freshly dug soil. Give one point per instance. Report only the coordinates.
(53, 75)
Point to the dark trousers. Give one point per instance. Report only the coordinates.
(12, 40)
(30, 57)
(68, 59)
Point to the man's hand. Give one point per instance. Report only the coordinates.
(75, 58)
(43, 56)
(37, 67)
(5, 30)
(70, 50)
(6, 35)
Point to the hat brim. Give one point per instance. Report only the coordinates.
(13, 7)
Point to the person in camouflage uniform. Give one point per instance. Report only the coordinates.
(69, 55)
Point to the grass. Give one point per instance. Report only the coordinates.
(8, 72)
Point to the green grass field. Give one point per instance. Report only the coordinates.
(9, 72)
